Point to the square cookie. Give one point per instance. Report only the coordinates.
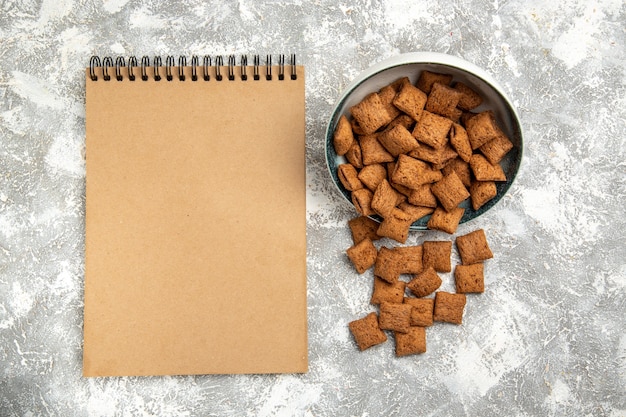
(481, 192)
(411, 100)
(412, 342)
(432, 129)
(424, 283)
(409, 259)
(370, 113)
(482, 128)
(386, 292)
(473, 247)
(372, 175)
(428, 78)
(449, 307)
(343, 138)
(395, 226)
(397, 140)
(386, 266)
(450, 191)
(372, 151)
(443, 100)
(486, 171)
(412, 172)
(446, 221)
(363, 227)
(366, 332)
(437, 254)
(396, 317)
(422, 313)
(363, 255)
(469, 278)
(384, 199)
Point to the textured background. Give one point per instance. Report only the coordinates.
(546, 339)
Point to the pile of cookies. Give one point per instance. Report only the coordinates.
(418, 150)
(413, 151)
(408, 316)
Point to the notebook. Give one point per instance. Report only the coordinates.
(195, 247)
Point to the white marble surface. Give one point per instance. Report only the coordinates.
(546, 339)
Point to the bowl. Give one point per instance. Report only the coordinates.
(411, 65)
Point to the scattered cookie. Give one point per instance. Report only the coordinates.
(386, 265)
(473, 247)
(366, 332)
(396, 317)
(363, 227)
(363, 255)
(449, 307)
(409, 259)
(422, 312)
(424, 283)
(387, 292)
(469, 278)
(402, 314)
(411, 342)
(437, 254)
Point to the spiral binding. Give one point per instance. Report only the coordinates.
(107, 64)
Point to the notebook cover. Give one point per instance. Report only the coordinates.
(195, 251)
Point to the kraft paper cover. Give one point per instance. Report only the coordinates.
(195, 252)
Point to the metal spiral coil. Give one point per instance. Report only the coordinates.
(101, 68)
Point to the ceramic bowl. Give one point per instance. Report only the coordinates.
(411, 65)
